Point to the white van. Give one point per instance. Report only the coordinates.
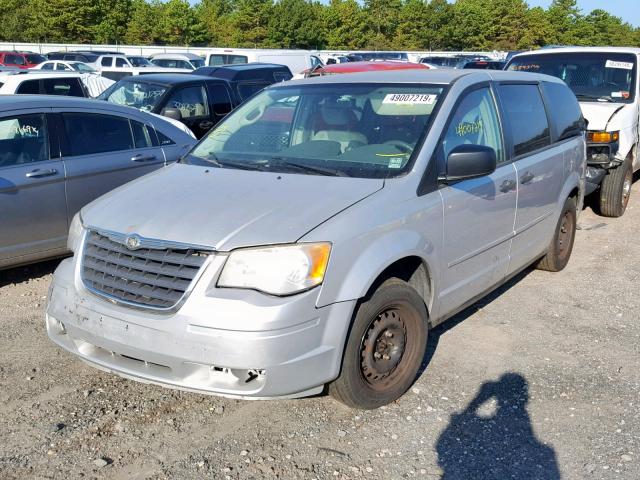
(190, 61)
(116, 67)
(296, 60)
(605, 81)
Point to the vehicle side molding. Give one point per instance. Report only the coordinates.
(470, 161)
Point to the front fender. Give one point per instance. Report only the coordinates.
(353, 269)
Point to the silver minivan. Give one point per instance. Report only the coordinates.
(319, 232)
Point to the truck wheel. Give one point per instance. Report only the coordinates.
(559, 252)
(385, 347)
(615, 190)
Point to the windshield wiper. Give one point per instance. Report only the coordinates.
(213, 159)
(594, 97)
(302, 167)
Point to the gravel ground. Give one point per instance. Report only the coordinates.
(539, 380)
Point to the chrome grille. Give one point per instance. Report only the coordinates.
(148, 277)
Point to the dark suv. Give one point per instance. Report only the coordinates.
(197, 101)
(245, 80)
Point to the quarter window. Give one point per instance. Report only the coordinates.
(526, 118)
(23, 139)
(89, 133)
(163, 139)
(190, 101)
(475, 123)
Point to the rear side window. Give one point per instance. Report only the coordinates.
(227, 59)
(70, 87)
(23, 139)
(89, 133)
(564, 109)
(219, 99)
(31, 87)
(526, 118)
(106, 62)
(15, 60)
(191, 101)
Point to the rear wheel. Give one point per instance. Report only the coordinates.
(615, 190)
(384, 349)
(561, 246)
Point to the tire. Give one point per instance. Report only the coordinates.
(615, 190)
(561, 246)
(385, 347)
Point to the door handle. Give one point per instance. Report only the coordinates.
(37, 173)
(205, 125)
(527, 178)
(507, 186)
(142, 158)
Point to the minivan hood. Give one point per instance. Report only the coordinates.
(224, 208)
(599, 114)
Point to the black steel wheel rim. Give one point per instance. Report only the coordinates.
(383, 346)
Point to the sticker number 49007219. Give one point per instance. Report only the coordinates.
(410, 98)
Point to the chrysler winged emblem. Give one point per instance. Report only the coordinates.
(132, 242)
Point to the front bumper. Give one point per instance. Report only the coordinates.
(221, 341)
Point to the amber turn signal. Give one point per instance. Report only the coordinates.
(603, 137)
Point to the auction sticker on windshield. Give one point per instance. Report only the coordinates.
(615, 64)
(410, 98)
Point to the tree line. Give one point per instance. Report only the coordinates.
(309, 24)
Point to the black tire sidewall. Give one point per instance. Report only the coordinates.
(359, 391)
(568, 207)
(612, 190)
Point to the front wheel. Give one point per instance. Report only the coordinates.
(384, 349)
(561, 246)
(615, 190)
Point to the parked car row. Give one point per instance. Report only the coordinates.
(329, 222)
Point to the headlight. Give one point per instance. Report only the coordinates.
(75, 233)
(278, 270)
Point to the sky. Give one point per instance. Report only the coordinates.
(628, 10)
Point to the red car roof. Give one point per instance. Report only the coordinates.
(353, 67)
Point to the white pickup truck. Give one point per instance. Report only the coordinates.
(605, 81)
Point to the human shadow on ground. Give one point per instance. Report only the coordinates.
(493, 437)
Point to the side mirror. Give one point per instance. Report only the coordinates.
(172, 113)
(470, 161)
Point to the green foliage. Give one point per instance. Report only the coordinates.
(338, 24)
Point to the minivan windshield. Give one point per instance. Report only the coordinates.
(366, 131)
(592, 76)
(141, 95)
